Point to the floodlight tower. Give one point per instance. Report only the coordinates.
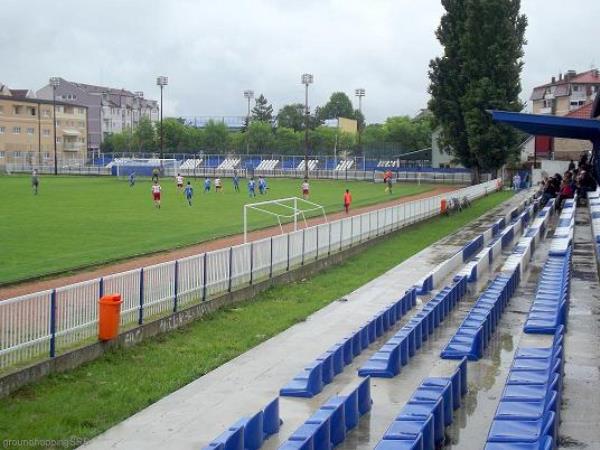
(161, 81)
(248, 95)
(307, 79)
(54, 82)
(360, 93)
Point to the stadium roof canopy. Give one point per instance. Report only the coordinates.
(556, 126)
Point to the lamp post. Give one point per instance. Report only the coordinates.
(54, 82)
(248, 95)
(162, 82)
(360, 93)
(307, 79)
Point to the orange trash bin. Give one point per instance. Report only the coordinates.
(443, 206)
(109, 316)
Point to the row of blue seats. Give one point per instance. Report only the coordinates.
(528, 415)
(472, 247)
(310, 381)
(249, 433)
(329, 425)
(476, 329)
(550, 305)
(421, 423)
(396, 352)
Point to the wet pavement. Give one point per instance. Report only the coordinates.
(200, 411)
(580, 427)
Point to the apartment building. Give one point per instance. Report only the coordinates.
(110, 110)
(572, 95)
(27, 130)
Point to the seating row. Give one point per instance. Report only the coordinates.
(549, 309)
(528, 414)
(249, 433)
(396, 352)
(563, 234)
(310, 381)
(421, 423)
(594, 207)
(328, 426)
(476, 329)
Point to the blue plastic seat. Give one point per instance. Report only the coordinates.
(410, 430)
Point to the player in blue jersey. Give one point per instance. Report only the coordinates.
(189, 193)
(236, 181)
(252, 188)
(207, 185)
(262, 185)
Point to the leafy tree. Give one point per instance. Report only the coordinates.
(291, 116)
(339, 105)
(480, 70)
(262, 111)
(407, 133)
(260, 136)
(360, 119)
(145, 136)
(175, 135)
(287, 141)
(215, 137)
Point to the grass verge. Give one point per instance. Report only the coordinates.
(90, 399)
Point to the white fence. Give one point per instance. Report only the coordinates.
(42, 324)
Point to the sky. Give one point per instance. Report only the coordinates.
(214, 50)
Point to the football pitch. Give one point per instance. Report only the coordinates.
(77, 222)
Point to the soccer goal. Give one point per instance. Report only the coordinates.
(284, 210)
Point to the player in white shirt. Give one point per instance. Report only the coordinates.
(156, 194)
(179, 182)
(218, 185)
(305, 189)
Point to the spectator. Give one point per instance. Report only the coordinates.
(571, 166)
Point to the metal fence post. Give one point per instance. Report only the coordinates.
(303, 246)
(230, 269)
(101, 287)
(175, 288)
(317, 252)
(329, 242)
(53, 323)
(251, 262)
(271, 265)
(141, 310)
(204, 281)
(288, 252)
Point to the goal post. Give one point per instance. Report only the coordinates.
(290, 208)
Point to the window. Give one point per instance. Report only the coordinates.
(45, 113)
(81, 110)
(17, 109)
(575, 88)
(1, 130)
(1, 155)
(32, 111)
(1, 109)
(30, 131)
(47, 155)
(58, 139)
(16, 130)
(18, 154)
(46, 132)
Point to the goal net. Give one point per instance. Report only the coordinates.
(282, 211)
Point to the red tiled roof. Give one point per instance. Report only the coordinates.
(589, 77)
(584, 112)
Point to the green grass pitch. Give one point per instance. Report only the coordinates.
(76, 222)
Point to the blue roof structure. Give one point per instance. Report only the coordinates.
(557, 126)
(545, 125)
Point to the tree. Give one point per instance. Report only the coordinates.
(480, 70)
(145, 136)
(262, 111)
(339, 105)
(291, 116)
(175, 135)
(288, 141)
(215, 137)
(260, 136)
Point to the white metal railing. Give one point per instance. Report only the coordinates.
(44, 323)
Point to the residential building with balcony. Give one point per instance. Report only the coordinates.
(571, 94)
(27, 130)
(110, 110)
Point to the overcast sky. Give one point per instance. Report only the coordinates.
(212, 50)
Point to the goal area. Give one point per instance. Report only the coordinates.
(284, 210)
